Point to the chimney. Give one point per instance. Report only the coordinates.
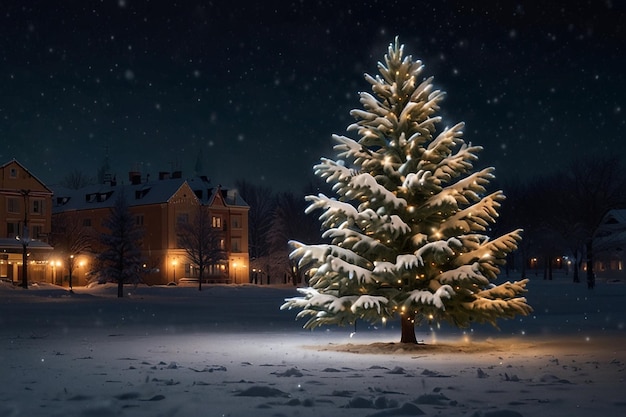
(164, 175)
(134, 177)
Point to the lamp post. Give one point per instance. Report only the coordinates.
(25, 240)
(235, 267)
(174, 269)
(70, 269)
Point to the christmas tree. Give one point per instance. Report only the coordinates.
(407, 228)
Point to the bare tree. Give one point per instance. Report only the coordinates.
(289, 221)
(262, 202)
(595, 185)
(201, 242)
(70, 237)
(76, 180)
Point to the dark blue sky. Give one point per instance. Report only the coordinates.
(257, 90)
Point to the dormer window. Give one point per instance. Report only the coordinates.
(139, 194)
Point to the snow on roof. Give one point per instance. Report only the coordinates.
(139, 194)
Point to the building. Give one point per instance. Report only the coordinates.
(609, 246)
(158, 206)
(25, 210)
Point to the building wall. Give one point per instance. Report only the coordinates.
(23, 198)
(165, 262)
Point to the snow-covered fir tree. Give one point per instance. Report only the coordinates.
(120, 260)
(408, 226)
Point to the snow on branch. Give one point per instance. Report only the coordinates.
(470, 187)
(476, 217)
(488, 310)
(418, 298)
(374, 109)
(333, 171)
(356, 241)
(336, 212)
(464, 274)
(339, 214)
(457, 164)
(487, 252)
(366, 302)
(422, 181)
(316, 255)
(349, 149)
(364, 185)
(440, 247)
(343, 267)
(505, 291)
(441, 147)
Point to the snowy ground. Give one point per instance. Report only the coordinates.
(229, 351)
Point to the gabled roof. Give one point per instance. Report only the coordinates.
(207, 193)
(16, 162)
(104, 195)
(145, 193)
(611, 233)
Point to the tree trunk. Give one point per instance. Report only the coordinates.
(576, 269)
(408, 328)
(120, 288)
(591, 276)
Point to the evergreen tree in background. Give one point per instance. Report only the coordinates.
(407, 228)
(120, 259)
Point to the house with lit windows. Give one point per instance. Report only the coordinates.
(609, 246)
(158, 206)
(25, 210)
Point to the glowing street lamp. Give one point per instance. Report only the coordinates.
(174, 268)
(70, 269)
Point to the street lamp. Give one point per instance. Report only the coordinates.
(70, 269)
(25, 240)
(174, 268)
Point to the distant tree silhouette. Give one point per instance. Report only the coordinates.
(262, 202)
(290, 221)
(76, 179)
(596, 185)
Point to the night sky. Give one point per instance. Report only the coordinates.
(255, 89)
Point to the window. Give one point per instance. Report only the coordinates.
(87, 222)
(222, 244)
(37, 207)
(182, 218)
(13, 229)
(236, 221)
(13, 205)
(236, 244)
(13, 172)
(217, 222)
(35, 232)
(139, 220)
